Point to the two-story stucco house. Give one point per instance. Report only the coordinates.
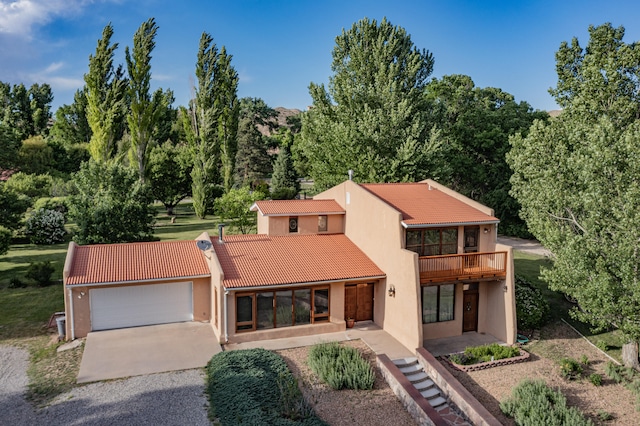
(418, 259)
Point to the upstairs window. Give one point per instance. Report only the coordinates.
(432, 241)
(293, 224)
(322, 223)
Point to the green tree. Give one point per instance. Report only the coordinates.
(112, 205)
(27, 112)
(30, 185)
(35, 156)
(105, 91)
(252, 159)
(374, 117)
(577, 179)
(235, 204)
(284, 182)
(145, 109)
(258, 112)
(12, 207)
(226, 103)
(70, 126)
(170, 174)
(9, 146)
(476, 124)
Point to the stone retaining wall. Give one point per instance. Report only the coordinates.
(524, 356)
(456, 393)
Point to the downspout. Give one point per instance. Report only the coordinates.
(226, 319)
(73, 328)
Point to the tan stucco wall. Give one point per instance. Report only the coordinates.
(375, 228)
(500, 316)
(279, 225)
(82, 310)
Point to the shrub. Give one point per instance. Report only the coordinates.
(32, 185)
(602, 345)
(16, 282)
(60, 204)
(532, 309)
(45, 227)
(484, 353)
(570, 368)
(5, 239)
(341, 367)
(533, 403)
(584, 360)
(254, 386)
(595, 379)
(604, 416)
(41, 273)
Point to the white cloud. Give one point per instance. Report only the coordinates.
(20, 16)
(56, 81)
(54, 67)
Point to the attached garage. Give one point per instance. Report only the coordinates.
(111, 286)
(133, 306)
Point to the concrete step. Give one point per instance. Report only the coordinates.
(424, 385)
(417, 377)
(430, 393)
(438, 402)
(411, 369)
(404, 362)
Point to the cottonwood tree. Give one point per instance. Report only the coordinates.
(70, 126)
(105, 91)
(476, 124)
(145, 108)
(577, 178)
(169, 174)
(26, 111)
(226, 103)
(374, 117)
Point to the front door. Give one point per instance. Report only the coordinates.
(470, 311)
(358, 301)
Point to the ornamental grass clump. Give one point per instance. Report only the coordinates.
(533, 403)
(341, 367)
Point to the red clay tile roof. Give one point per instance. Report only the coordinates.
(110, 263)
(297, 207)
(420, 205)
(262, 260)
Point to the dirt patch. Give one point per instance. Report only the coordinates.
(556, 341)
(378, 406)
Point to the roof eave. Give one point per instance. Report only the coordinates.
(188, 277)
(300, 214)
(448, 224)
(303, 283)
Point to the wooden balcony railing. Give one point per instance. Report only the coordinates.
(463, 267)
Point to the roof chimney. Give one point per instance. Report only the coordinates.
(220, 232)
(350, 174)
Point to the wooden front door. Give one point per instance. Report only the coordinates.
(470, 311)
(358, 301)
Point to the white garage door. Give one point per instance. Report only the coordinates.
(120, 307)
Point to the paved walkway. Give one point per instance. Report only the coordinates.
(376, 338)
(451, 345)
(527, 246)
(126, 352)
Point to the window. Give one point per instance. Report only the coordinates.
(293, 224)
(264, 310)
(322, 223)
(432, 241)
(438, 303)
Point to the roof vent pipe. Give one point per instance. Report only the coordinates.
(220, 232)
(350, 174)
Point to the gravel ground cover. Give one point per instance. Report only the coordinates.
(378, 406)
(557, 341)
(175, 398)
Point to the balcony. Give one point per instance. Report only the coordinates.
(463, 267)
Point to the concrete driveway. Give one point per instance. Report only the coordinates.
(113, 354)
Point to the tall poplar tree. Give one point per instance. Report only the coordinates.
(105, 90)
(227, 105)
(374, 117)
(145, 109)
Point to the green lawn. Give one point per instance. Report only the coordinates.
(528, 265)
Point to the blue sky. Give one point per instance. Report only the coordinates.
(280, 46)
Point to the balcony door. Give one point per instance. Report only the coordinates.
(358, 301)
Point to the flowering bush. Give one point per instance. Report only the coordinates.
(532, 308)
(45, 227)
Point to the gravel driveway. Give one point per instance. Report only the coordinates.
(175, 398)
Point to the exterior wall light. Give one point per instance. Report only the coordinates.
(486, 230)
(392, 291)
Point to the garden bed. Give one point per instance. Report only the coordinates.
(524, 356)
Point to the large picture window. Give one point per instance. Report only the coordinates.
(432, 241)
(438, 303)
(263, 310)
